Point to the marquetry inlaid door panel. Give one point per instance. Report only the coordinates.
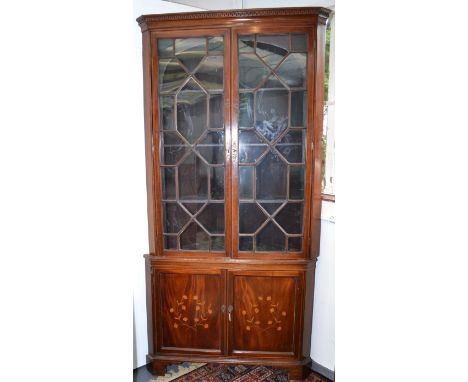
(265, 314)
(190, 304)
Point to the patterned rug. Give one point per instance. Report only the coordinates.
(212, 372)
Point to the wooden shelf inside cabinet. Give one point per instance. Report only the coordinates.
(233, 126)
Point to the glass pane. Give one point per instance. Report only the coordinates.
(193, 178)
(165, 47)
(210, 73)
(194, 238)
(298, 109)
(295, 244)
(296, 182)
(170, 242)
(293, 70)
(166, 113)
(171, 75)
(191, 105)
(251, 217)
(216, 111)
(271, 207)
(291, 146)
(191, 113)
(215, 44)
(272, 48)
(246, 182)
(246, 43)
(175, 217)
(273, 69)
(217, 183)
(272, 112)
(270, 238)
(299, 42)
(251, 71)
(217, 243)
(246, 110)
(271, 179)
(190, 51)
(245, 243)
(168, 183)
(193, 208)
(212, 217)
(290, 218)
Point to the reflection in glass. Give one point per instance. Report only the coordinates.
(170, 242)
(215, 44)
(194, 238)
(217, 183)
(293, 70)
(251, 153)
(271, 207)
(270, 238)
(296, 182)
(271, 182)
(210, 73)
(168, 183)
(216, 111)
(166, 107)
(251, 71)
(190, 51)
(299, 42)
(290, 217)
(165, 47)
(295, 244)
(174, 217)
(212, 217)
(191, 113)
(272, 112)
(250, 217)
(193, 178)
(171, 75)
(272, 48)
(246, 182)
(245, 110)
(245, 243)
(246, 43)
(193, 208)
(217, 243)
(298, 109)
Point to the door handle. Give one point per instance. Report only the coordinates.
(230, 309)
(223, 308)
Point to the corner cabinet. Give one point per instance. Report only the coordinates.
(233, 132)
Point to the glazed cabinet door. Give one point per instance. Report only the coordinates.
(265, 313)
(190, 307)
(272, 141)
(191, 133)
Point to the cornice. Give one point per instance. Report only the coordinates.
(323, 13)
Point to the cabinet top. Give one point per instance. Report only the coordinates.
(233, 14)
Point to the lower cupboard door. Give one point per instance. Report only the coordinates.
(190, 317)
(265, 313)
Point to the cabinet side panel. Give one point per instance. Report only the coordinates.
(318, 127)
(308, 311)
(148, 110)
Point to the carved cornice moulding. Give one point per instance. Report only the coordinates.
(322, 13)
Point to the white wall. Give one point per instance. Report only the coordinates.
(323, 338)
(141, 7)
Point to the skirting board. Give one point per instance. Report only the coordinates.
(316, 367)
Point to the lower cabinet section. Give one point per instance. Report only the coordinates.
(266, 311)
(220, 312)
(189, 311)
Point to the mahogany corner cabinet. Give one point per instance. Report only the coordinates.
(233, 133)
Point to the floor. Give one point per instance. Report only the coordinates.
(142, 374)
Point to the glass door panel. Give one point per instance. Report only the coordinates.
(192, 142)
(272, 141)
